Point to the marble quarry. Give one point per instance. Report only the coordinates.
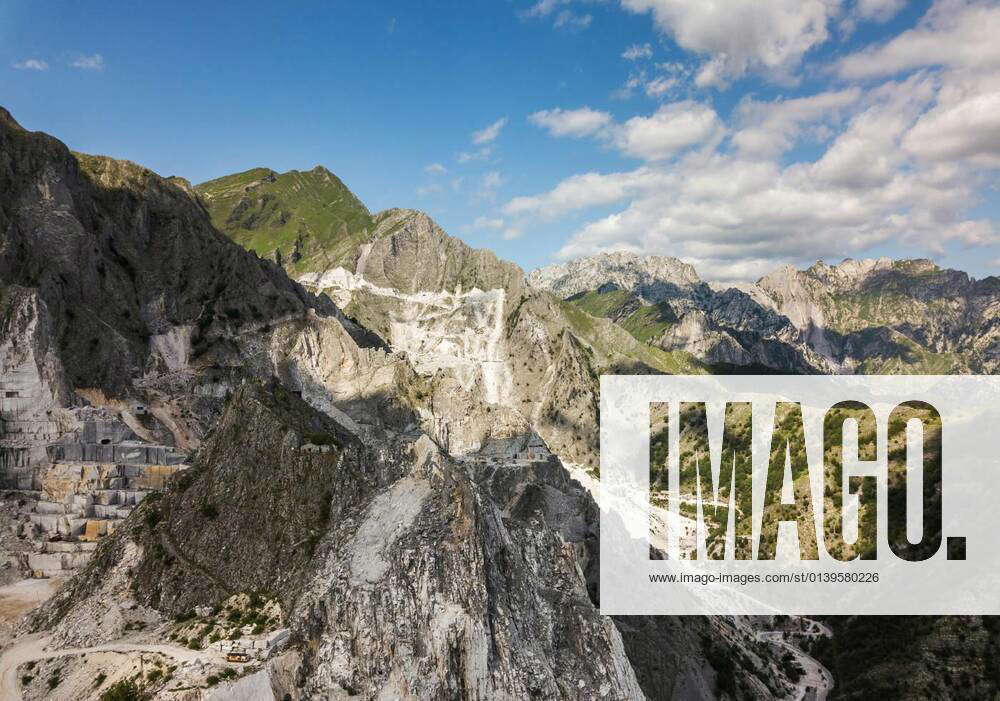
(83, 481)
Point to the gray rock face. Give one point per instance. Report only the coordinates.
(465, 319)
(652, 278)
(31, 386)
(410, 253)
(875, 316)
(323, 469)
(884, 316)
(724, 328)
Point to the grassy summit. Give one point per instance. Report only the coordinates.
(307, 221)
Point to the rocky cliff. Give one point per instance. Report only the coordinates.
(415, 537)
(888, 317)
(869, 316)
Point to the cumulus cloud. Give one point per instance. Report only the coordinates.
(963, 124)
(953, 33)
(89, 63)
(867, 154)
(637, 51)
(435, 169)
(585, 191)
(894, 146)
(673, 128)
(32, 64)
(578, 122)
(489, 134)
(742, 35)
(768, 129)
(668, 131)
(900, 169)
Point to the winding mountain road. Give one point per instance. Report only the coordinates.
(817, 681)
(33, 648)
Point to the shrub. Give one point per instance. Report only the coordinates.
(123, 690)
(26, 679)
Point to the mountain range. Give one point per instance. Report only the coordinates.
(392, 438)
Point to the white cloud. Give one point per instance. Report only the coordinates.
(32, 64)
(89, 63)
(637, 51)
(488, 223)
(489, 134)
(738, 36)
(953, 33)
(867, 154)
(585, 191)
(543, 8)
(567, 19)
(668, 131)
(435, 169)
(768, 129)
(428, 190)
(477, 155)
(564, 18)
(490, 182)
(578, 123)
(626, 91)
(660, 86)
(512, 233)
(902, 169)
(879, 10)
(963, 124)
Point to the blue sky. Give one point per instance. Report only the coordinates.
(737, 135)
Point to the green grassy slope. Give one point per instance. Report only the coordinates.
(308, 220)
(646, 322)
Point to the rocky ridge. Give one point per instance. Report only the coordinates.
(319, 468)
(873, 316)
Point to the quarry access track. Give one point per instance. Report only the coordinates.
(32, 648)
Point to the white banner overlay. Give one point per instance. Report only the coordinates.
(827, 495)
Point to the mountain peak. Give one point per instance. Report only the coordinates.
(303, 220)
(625, 269)
(7, 120)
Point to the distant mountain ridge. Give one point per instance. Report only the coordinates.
(868, 316)
(401, 498)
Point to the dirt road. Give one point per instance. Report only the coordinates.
(33, 647)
